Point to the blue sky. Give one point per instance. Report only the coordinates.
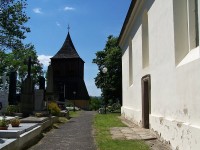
(91, 22)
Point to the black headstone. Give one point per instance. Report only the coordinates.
(27, 96)
(12, 88)
(41, 83)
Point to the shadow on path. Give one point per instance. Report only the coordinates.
(73, 135)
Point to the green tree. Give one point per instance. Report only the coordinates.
(95, 103)
(18, 59)
(12, 20)
(110, 83)
(12, 32)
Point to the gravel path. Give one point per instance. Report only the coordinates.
(76, 134)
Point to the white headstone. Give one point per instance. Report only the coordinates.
(3, 95)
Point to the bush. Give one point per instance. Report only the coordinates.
(4, 122)
(11, 109)
(15, 122)
(116, 107)
(53, 108)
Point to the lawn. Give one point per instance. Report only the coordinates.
(73, 114)
(102, 125)
(62, 120)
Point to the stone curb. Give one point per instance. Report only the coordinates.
(26, 139)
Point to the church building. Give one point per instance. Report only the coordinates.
(161, 69)
(67, 69)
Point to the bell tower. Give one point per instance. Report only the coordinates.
(68, 75)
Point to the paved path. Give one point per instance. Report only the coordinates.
(134, 132)
(76, 134)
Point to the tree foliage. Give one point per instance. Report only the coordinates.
(17, 60)
(12, 20)
(95, 103)
(13, 52)
(110, 83)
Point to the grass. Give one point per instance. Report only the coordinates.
(62, 120)
(102, 124)
(73, 114)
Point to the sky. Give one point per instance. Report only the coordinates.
(90, 21)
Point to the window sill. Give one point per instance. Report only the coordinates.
(194, 54)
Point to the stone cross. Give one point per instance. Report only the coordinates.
(29, 63)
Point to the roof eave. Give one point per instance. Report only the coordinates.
(68, 58)
(132, 5)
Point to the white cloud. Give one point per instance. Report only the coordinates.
(37, 10)
(44, 60)
(68, 8)
(58, 24)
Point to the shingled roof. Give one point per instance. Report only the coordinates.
(67, 50)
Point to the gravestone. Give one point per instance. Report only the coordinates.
(4, 82)
(50, 79)
(27, 96)
(49, 91)
(3, 101)
(3, 95)
(41, 83)
(39, 100)
(12, 88)
(40, 95)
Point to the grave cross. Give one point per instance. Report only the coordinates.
(30, 62)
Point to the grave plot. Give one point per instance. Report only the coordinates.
(15, 132)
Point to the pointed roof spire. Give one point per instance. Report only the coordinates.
(67, 50)
(68, 28)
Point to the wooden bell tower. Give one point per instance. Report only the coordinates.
(68, 75)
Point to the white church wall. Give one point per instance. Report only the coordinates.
(132, 93)
(174, 89)
(162, 60)
(131, 101)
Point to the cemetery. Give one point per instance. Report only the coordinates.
(23, 120)
(30, 105)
